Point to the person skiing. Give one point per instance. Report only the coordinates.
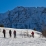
(4, 32)
(32, 34)
(14, 33)
(10, 32)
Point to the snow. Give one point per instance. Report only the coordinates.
(19, 40)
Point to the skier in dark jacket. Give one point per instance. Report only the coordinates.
(4, 32)
(10, 32)
(14, 33)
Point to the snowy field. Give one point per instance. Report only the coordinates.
(21, 40)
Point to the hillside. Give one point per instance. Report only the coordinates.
(25, 18)
(19, 40)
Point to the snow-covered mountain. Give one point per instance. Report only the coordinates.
(25, 18)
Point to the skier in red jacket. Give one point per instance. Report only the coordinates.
(14, 33)
(32, 34)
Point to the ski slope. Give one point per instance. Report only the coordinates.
(21, 40)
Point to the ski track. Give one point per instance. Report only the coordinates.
(22, 42)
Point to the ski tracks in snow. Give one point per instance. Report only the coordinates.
(22, 42)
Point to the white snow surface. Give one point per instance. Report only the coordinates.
(21, 41)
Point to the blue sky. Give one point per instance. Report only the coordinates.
(6, 5)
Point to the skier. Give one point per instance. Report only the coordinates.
(10, 32)
(14, 33)
(4, 32)
(32, 34)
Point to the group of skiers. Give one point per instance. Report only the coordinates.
(10, 33)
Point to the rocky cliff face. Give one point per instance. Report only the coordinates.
(25, 18)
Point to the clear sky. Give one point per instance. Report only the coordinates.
(6, 5)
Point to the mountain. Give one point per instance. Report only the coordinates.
(25, 18)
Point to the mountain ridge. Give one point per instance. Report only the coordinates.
(25, 18)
